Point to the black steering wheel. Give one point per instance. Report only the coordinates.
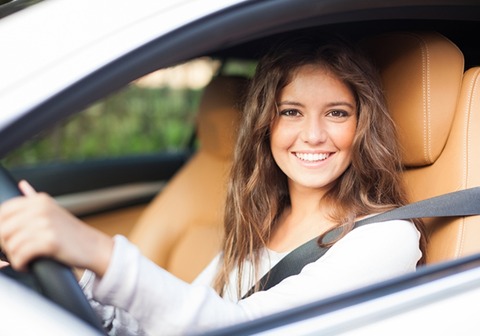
(52, 279)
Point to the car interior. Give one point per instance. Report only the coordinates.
(181, 228)
(432, 92)
(433, 98)
(430, 72)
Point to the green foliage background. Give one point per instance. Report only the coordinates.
(136, 120)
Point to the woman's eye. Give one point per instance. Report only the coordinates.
(290, 113)
(338, 113)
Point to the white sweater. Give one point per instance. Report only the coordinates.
(149, 300)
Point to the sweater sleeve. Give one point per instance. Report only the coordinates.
(163, 304)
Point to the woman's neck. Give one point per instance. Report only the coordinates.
(305, 219)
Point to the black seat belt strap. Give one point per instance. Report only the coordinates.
(454, 204)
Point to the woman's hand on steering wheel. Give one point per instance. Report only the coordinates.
(36, 226)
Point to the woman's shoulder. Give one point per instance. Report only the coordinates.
(380, 236)
(393, 243)
(397, 229)
(371, 253)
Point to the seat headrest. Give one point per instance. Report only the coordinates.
(422, 74)
(219, 114)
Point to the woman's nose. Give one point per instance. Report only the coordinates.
(313, 131)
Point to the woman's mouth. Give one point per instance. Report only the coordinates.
(312, 157)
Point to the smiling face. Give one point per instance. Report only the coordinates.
(312, 135)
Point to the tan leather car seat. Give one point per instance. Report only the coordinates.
(436, 106)
(181, 229)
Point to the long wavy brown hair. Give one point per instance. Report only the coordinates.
(258, 190)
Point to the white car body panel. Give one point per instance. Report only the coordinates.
(27, 313)
(43, 53)
(403, 313)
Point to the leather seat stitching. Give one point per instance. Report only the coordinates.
(472, 95)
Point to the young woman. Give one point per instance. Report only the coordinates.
(316, 151)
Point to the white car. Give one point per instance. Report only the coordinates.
(72, 74)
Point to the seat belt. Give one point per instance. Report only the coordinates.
(459, 203)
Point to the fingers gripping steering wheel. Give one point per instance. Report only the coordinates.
(53, 280)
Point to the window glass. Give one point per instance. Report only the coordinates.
(155, 113)
(239, 67)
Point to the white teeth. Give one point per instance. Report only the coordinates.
(311, 157)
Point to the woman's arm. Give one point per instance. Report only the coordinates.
(35, 226)
(164, 304)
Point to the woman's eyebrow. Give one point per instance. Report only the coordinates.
(332, 104)
(341, 103)
(288, 102)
